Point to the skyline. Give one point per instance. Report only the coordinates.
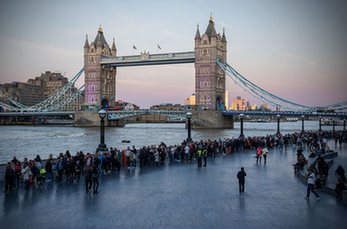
(304, 43)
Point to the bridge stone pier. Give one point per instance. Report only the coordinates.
(210, 119)
(91, 118)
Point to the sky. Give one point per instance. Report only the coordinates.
(295, 49)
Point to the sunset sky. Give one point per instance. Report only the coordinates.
(294, 49)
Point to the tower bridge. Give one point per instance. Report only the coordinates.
(211, 68)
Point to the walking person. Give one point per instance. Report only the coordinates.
(241, 176)
(95, 177)
(311, 178)
(88, 178)
(265, 154)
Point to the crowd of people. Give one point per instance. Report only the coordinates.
(34, 174)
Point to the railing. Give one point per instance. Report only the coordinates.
(287, 113)
(113, 115)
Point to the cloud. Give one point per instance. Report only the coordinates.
(136, 82)
(39, 47)
(293, 56)
(175, 34)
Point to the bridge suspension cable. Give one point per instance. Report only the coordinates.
(67, 100)
(52, 102)
(266, 96)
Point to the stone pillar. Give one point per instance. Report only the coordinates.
(210, 119)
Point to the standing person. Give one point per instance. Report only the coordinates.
(265, 154)
(198, 154)
(18, 172)
(259, 154)
(241, 176)
(78, 170)
(340, 173)
(311, 178)
(9, 177)
(95, 176)
(35, 172)
(88, 178)
(204, 152)
(60, 167)
(25, 172)
(131, 159)
(49, 169)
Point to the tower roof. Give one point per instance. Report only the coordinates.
(100, 38)
(86, 44)
(210, 31)
(223, 37)
(197, 35)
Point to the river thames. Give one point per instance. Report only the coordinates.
(28, 141)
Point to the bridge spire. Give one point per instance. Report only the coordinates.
(114, 49)
(223, 36)
(86, 44)
(197, 35)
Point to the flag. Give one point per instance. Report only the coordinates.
(159, 47)
(134, 47)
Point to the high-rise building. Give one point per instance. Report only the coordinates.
(190, 100)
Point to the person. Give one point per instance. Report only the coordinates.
(311, 178)
(88, 178)
(340, 187)
(204, 152)
(9, 177)
(340, 173)
(198, 155)
(118, 159)
(131, 159)
(241, 176)
(78, 169)
(259, 154)
(49, 169)
(25, 172)
(95, 176)
(34, 172)
(18, 172)
(265, 154)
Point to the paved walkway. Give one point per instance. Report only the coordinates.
(181, 196)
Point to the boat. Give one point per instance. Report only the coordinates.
(126, 141)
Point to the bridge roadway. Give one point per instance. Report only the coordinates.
(179, 113)
(180, 195)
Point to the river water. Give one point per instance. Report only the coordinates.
(28, 141)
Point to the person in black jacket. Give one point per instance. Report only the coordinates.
(241, 176)
(9, 172)
(88, 178)
(95, 176)
(49, 170)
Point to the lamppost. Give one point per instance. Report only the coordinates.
(302, 120)
(102, 145)
(241, 119)
(344, 124)
(278, 124)
(320, 123)
(189, 116)
(333, 125)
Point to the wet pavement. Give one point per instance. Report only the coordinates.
(180, 195)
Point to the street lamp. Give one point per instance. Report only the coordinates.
(344, 124)
(278, 124)
(302, 120)
(102, 145)
(241, 119)
(333, 125)
(189, 116)
(320, 123)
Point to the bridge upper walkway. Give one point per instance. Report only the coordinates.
(149, 59)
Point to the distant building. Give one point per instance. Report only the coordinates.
(36, 90)
(190, 100)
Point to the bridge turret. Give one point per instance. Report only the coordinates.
(114, 49)
(86, 45)
(209, 78)
(100, 80)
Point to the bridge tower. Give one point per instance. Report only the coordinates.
(100, 81)
(209, 77)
